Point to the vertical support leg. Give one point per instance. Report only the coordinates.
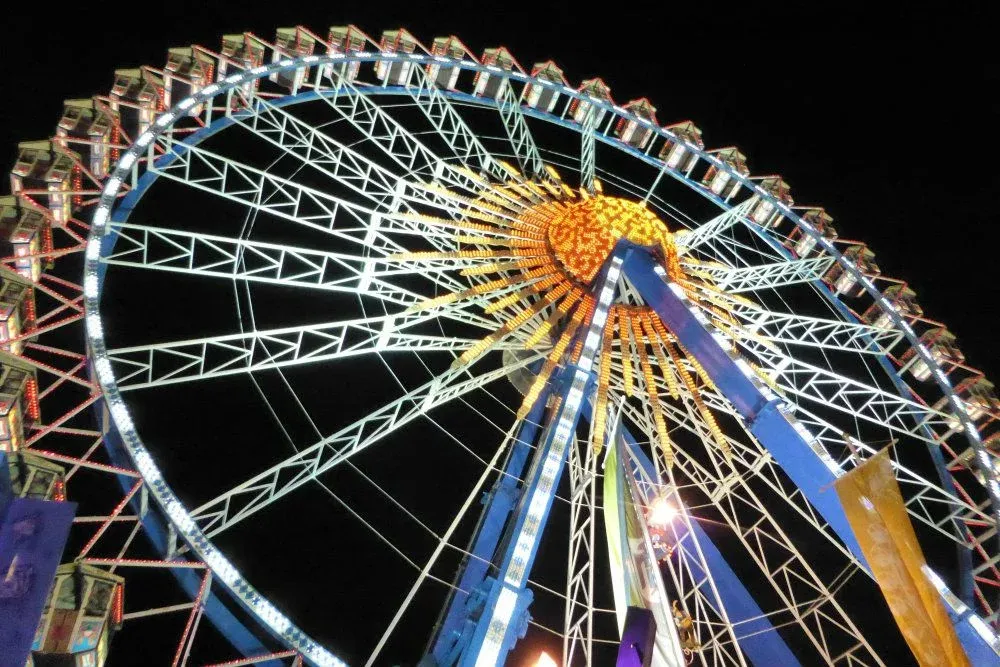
(504, 618)
(456, 618)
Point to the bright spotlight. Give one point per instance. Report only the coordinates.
(661, 512)
(546, 660)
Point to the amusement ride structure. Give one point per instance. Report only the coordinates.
(576, 379)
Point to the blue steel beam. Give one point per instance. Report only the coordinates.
(770, 420)
(507, 597)
(766, 415)
(458, 625)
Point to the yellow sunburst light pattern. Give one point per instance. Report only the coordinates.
(544, 244)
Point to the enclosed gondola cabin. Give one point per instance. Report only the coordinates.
(542, 97)
(844, 281)
(85, 127)
(43, 166)
(31, 476)
(992, 445)
(188, 71)
(346, 40)
(83, 612)
(136, 96)
(979, 396)
(899, 298)
(637, 131)
(17, 310)
(941, 345)
(678, 153)
(294, 42)
(766, 213)
(26, 234)
(19, 407)
(445, 49)
(240, 53)
(801, 242)
(497, 61)
(396, 72)
(718, 179)
(596, 90)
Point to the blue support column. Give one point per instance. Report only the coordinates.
(462, 612)
(768, 418)
(503, 620)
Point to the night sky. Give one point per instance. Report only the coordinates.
(888, 122)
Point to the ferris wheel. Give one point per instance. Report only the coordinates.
(397, 352)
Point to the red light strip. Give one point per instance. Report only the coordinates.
(258, 659)
(184, 645)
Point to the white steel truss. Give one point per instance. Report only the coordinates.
(824, 387)
(689, 240)
(792, 329)
(204, 170)
(509, 106)
(343, 164)
(451, 126)
(806, 599)
(266, 487)
(143, 366)
(207, 255)
(768, 276)
(397, 142)
(578, 625)
(926, 501)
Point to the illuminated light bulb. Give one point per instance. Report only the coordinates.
(550, 364)
(546, 660)
(661, 512)
(538, 335)
(483, 240)
(497, 267)
(655, 324)
(626, 352)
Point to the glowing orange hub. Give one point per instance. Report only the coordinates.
(583, 233)
(541, 256)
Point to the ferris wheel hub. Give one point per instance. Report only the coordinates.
(584, 232)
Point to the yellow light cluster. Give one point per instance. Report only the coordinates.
(706, 414)
(603, 382)
(655, 331)
(552, 361)
(542, 246)
(583, 233)
(651, 393)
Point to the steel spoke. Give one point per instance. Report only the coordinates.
(264, 488)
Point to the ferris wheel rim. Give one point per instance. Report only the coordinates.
(122, 422)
